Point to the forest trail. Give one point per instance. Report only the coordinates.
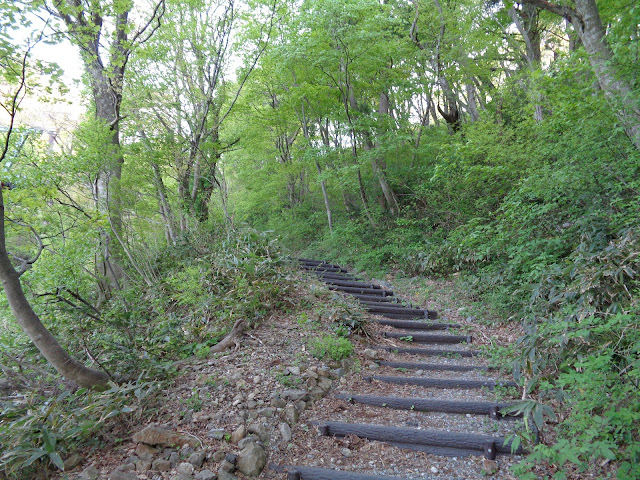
(445, 408)
(416, 399)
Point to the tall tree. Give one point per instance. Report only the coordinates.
(14, 74)
(585, 18)
(88, 23)
(182, 95)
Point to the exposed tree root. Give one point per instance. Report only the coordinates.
(232, 339)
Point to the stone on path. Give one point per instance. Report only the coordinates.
(252, 460)
(153, 435)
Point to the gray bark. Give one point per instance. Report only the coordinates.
(586, 20)
(526, 21)
(31, 325)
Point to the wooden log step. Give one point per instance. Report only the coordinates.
(466, 441)
(403, 316)
(368, 291)
(320, 268)
(414, 325)
(401, 309)
(295, 472)
(324, 263)
(399, 315)
(427, 337)
(379, 302)
(433, 405)
(350, 283)
(375, 298)
(337, 276)
(427, 352)
(441, 382)
(433, 366)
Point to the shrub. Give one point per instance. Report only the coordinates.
(336, 348)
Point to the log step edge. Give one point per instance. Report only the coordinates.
(477, 443)
(431, 405)
(295, 472)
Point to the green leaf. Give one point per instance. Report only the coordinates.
(56, 460)
(37, 454)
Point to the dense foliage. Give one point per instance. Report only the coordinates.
(492, 140)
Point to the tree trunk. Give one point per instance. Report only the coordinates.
(526, 21)
(618, 91)
(33, 327)
(327, 205)
(324, 134)
(587, 22)
(378, 165)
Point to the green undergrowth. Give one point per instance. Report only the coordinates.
(201, 288)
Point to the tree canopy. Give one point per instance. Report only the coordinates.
(498, 142)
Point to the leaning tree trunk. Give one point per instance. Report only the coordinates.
(617, 90)
(33, 327)
(587, 22)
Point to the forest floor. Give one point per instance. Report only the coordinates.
(244, 391)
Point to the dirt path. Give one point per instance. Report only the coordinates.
(302, 410)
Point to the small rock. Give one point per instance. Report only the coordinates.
(260, 430)
(143, 465)
(90, 473)
(346, 452)
(285, 432)
(317, 393)
(174, 458)
(73, 461)
(300, 405)
(419, 372)
(371, 354)
(123, 475)
(434, 469)
(197, 459)
(324, 372)
(185, 468)
(205, 475)
(267, 412)
(238, 434)
(252, 404)
(252, 460)
(161, 465)
(325, 383)
(153, 435)
(291, 414)
(226, 466)
(216, 434)
(247, 440)
(218, 456)
(277, 402)
(224, 475)
(146, 452)
(186, 450)
(293, 394)
(294, 370)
